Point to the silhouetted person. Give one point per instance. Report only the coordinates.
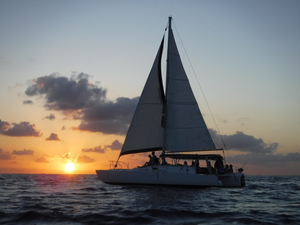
(219, 165)
(155, 159)
(197, 167)
(151, 161)
(226, 168)
(230, 169)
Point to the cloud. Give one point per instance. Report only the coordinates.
(116, 145)
(50, 117)
(245, 143)
(23, 152)
(27, 102)
(105, 127)
(256, 152)
(267, 159)
(53, 137)
(62, 93)
(4, 155)
(84, 159)
(43, 159)
(79, 99)
(122, 109)
(97, 149)
(109, 117)
(18, 130)
(66, 156)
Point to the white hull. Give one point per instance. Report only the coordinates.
(169, 175)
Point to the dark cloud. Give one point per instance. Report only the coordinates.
(62, 93)
(245, 143)
(23, 152)
(116, 145)
(109, 117)
(97, 149)
(4, 155)
(267, 159)
(50, 117)
(79, 99)
(4, 125)
(84, 159)
(106, 127)
(27, 102)
(43, 159)
(19, 130)
(122, 110)
(53, 137)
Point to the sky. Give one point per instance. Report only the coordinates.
(72, 71)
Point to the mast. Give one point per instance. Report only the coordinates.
(166, 95)
(168, 62)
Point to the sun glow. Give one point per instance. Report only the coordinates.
(70, 167)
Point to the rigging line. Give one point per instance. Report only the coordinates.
(201, 89)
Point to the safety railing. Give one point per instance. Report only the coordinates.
(118, 165)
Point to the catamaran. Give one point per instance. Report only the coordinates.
(169, 120)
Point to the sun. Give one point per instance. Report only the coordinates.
(69, 167)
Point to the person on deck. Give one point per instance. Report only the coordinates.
(151, 161)
(219, 166)
(230, 169)
(155, 159)
(197, 166)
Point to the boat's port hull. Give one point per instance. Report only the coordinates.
(169, 175)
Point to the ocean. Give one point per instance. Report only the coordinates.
(84, 199)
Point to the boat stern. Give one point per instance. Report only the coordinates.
(232, 180)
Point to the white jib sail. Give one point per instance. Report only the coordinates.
(186, 129)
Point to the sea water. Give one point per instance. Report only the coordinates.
(84, 199)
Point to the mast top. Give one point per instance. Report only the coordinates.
(170, 20)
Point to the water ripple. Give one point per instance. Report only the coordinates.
(83, 199)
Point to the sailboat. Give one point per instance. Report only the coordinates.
(169, 120)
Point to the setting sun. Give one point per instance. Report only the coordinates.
(69, 167)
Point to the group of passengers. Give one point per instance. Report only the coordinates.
(218, 167)
(153, 160)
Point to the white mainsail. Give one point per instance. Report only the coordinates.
(145, 132)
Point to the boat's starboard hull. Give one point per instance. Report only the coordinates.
(169, 175)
